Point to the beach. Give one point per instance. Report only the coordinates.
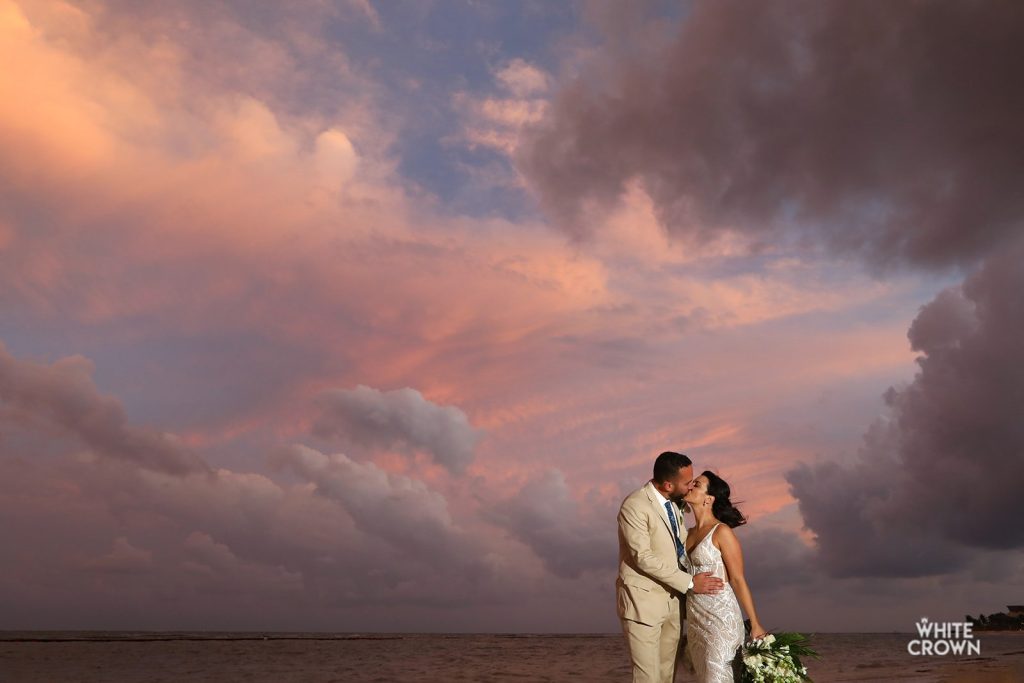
(88, 657)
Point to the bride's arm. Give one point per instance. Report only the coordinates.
(732, 555)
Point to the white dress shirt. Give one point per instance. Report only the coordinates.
(678, 514)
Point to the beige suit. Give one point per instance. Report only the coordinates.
(649, 585)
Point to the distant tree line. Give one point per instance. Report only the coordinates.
(1000, 621)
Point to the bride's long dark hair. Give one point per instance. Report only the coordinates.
(723, 508)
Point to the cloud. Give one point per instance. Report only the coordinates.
(574, 535)
(396, 509)
(773, 558)
(938, 477)
(123, 558)
(521, 78)
(401, 419)
(497, 121)
(336, 159)
(884, 132)
(888, 130)
(543, 515)
(63, 397)
(345, 536)
(235, 235)
(366, 9)
(221, 572)
(224, 224)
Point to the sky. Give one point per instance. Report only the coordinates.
(366, 316)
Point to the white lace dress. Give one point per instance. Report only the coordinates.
(714, 623)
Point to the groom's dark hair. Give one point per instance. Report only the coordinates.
(667, 464)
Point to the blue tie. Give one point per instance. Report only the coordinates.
(675, 529)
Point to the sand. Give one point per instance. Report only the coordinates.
(349, 658)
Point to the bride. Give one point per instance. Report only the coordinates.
(714, 625)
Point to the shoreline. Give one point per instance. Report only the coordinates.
(318, 657)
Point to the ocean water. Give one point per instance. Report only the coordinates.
(86, 657)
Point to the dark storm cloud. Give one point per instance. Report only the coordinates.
(890, 130)
(62, 396)
(942, 472)
(401, 419)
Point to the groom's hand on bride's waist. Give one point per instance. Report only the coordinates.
(706, 583)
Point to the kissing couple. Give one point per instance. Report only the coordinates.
(661, 561)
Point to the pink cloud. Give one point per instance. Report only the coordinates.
(63, 397)
(154, 204)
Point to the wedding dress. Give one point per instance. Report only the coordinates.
(714, 624)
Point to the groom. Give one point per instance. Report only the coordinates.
(651, 537)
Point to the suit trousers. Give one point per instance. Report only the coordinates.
(654, 648)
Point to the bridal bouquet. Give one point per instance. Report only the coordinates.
(774, 659)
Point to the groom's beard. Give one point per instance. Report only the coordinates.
(677, 499)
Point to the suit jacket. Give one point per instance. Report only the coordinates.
(649, 571)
